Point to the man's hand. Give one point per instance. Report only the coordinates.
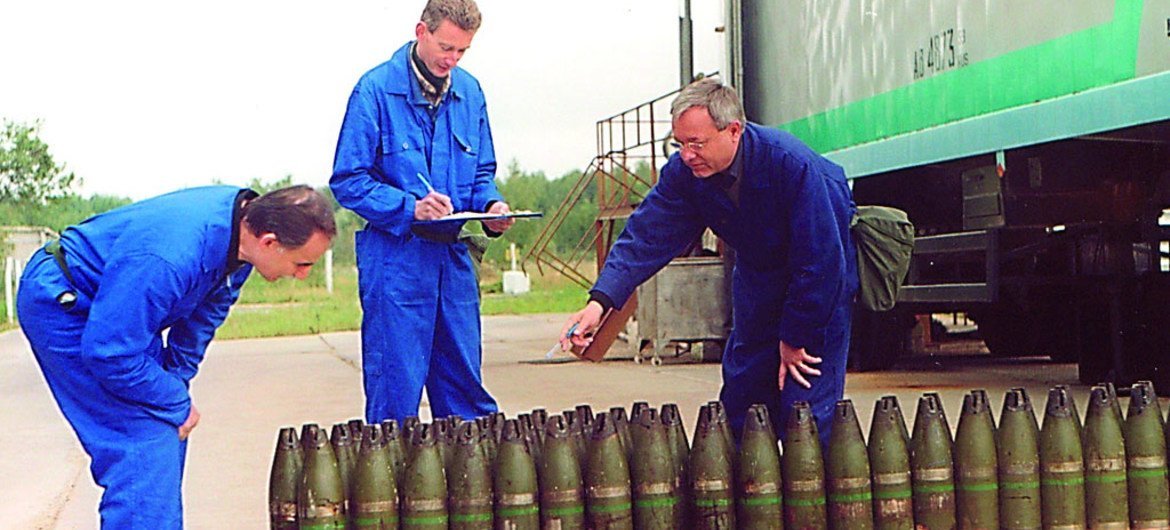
(499, 225)
(189, 425)
(433, 206)
(796, 361)
(587, 321)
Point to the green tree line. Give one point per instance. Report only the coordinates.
(37, 191)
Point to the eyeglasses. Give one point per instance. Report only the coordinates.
(695, 147)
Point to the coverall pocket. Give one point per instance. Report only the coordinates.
(402, 159)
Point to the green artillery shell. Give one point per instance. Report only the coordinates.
(847, 472)
(1018, 450)
(608, 501)
(515, 482)
(637, 409)
(1062, 471)
(395, 450)
(711, 474)
(758, 483)
(976, 470)
(676, 437)
(719, 414)
(355, 433)
(889, 460)
(469, 486)
(526, 426)
(539, 420)
(562, 493)
(424, 484)
(932, 467)
(585, 413)
(621, 422)
(803, 471)
(282, 482)
(1145, 450)
(443, 440)
(1112, 392)
(652, 474)
(346, 454)
(1072, 405)
(321, 493)
(374, 505)
(1106, 504)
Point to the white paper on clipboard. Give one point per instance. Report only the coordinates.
(477, 216)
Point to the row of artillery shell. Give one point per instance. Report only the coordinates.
(580, 470)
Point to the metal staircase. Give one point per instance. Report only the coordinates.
(624, 141)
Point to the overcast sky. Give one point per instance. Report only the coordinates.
(143, 97)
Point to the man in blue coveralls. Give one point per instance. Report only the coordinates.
(415, 146)
(96, 305)
(786, 211)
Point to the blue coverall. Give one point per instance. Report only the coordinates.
(419, 294)
(795, 272)
(137, 271)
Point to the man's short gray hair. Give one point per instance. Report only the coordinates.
(721, 102)
(462, 13)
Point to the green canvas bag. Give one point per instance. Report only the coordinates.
(884, 238)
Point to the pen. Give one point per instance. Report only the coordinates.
(427, 183)
(557, 346)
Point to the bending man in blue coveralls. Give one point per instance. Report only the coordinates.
(95, 307)
(786, 211)
(415, 146)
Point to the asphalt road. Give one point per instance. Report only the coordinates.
(248, 389)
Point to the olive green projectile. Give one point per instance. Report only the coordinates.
(932, 466)
(396, 450)
(608, 500)
(321, 493)
(976, 468)
(847, 472)
(1018, 453)
(719, 415)
(637, 408)
(621, 423)
(585, 414)
(652, 474)
(562, 493)
(1106, 503)
(1062, 470)
(515, 481)
(539, 420)
(889, 460)
(759, 500)
(803, 469)
(282, 481)
(424, 484)
(356, 428)
(711, 474)
(469, 486)
(1145, 451)
(676, 437)
(374, 504)
(346, 454)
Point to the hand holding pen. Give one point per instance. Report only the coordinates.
(579, 329)
(433, 205)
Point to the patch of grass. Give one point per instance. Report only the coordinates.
(252, 321)
(563, 299)
(288, 307)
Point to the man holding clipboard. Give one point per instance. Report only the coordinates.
(416, 146)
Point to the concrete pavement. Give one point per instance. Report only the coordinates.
(248, 389)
